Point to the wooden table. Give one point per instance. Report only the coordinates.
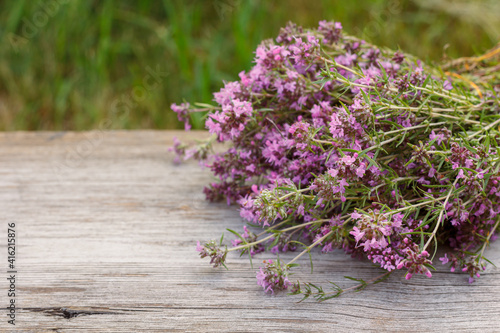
(106, 227)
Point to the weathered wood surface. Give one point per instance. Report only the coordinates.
(107, 226)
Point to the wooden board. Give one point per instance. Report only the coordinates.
(106, 229)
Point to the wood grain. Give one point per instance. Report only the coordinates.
(106, 230)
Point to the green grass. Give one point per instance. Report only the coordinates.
(85, 57)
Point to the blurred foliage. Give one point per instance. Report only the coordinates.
(84, 64)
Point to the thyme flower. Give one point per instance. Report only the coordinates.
(337, 143)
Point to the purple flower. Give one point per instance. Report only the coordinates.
(444, 260)
(432, 172)
(331, 31)
(182, 114)
(358, 234)
(309, 140)
(199, 248)
(214, 251)
(230, 122)
(348, 160)
(273, 277)
(355, 215)
(179, 149)
(360, 171)
(226, 95)
(415, 262)
(447, 85)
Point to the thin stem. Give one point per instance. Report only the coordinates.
(438, 222)
(280, 231)
(437, 152)
(369, 149)
(367, 282)
(452, 96)
(413, 108)
(292, 193)
(309, 223)
(356, 286)
(323, 141)
(395, 180)
(428, 111)
(349, 83)
(414, 127)
(344, 67)
(272, 227)
(488, 238)
(484, 128)
(383, 143)
(250, 244)
(436, 115)
(417, 205)
(310, 247)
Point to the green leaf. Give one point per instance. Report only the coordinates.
(325, 80)
(204, 105)
(349, 150)
(357, 280)
(293, 265)
(237, 235)
(416, 233)
(430, 266)
(487, 260)
(244, 242)
(383, 278)
(289, 189)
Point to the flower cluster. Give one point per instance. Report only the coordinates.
(182, 114)
(273, 277)
(230, 122)
(214, 251)
(373, 229)
(416, 262)
(337, 143)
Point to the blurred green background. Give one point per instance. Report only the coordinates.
(84, 64)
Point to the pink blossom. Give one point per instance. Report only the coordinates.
(357, 234)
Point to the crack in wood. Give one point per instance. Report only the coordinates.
(75, 312)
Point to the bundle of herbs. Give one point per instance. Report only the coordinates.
(338, 144)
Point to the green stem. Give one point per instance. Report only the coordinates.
(280, 231)
(416, 205)
(292, 193)
(438, 222)
(361, 284)
(310, 247)
(414, 127)
(395, 180)
(383, 143)
(484, 128)
(488, 238)
(336, 64)
(452, 96)
(272, 227)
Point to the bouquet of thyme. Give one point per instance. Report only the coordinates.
(339, 144)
